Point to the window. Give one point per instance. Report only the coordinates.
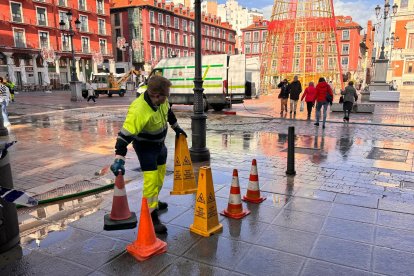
(101, 26)
(153, 53)
(207, 44)
(167, 21)
(43, 40)
(169, 52)
(16, 10)
(185, 41)
(161, 33)
(117, 19)
(207, 30)
(191, 41)
(176, 39)
(320, 36)
(84, 23)
(308, 49)
(177, 53)
(19, 38)
(185, 53)
(100, 7)
(184, 25)
(230, 49)
(247, 37)
(162, 52)
(176, 23)
(345, 35)
(152, 34)
(82, 5)
(151, 17)
(64, 17)
(218, 33)
(308, 65)
(191, 26)
(331, 63)
(264, 35)
(255, 36)
(345, 49)
(247, 49)
(212, 31)
(319, 64)
(192, 54)
(102, 46)
(404, 4)
(85, 44)
(62, 3)
(160, 19)
(223, 34)
(297, 49)
(344, 62)
(410, 41)
(218, 46)
(296, 65)
(41, 16)
(255, 49)
(168, 37)
(213, 45)
(320, 48)
(65, 43)
(297, 37)
(409, 67)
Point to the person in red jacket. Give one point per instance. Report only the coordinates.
(324, 96)
(309, 95)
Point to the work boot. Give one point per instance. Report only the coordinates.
(158, 226)
(162, 205)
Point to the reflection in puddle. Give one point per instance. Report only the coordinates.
(45, 225)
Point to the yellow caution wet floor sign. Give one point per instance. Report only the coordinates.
(206, 220)
(184, 180)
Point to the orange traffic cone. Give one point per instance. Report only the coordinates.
(235, 208)
(147, 244)
(253, 190)
(120, 217)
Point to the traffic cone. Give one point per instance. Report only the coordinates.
(234, 207)
(184, 180)
(206, 220)
(147, 244)
(120, 216)
(253, 190)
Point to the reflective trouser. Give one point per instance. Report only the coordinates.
(152, 157)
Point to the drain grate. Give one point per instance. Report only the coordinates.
(301, 150)
(70, 189)
(387, 154)
(407, 185)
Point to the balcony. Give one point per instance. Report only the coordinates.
(62, 3)
(17, 18)
(85, 50)
(19, 44)
(82, 7)
(101, 31)
(41, 23)
(100, 11)
(66, 47)
(103, 51)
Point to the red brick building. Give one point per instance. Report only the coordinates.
(254, 38)
(26, 27)
(162, 29)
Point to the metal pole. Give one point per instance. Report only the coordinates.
(382, 54)
(198, 151)
(291, 152)
(3, 131)
(71, 34)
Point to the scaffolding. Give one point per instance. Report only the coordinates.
(301, 41)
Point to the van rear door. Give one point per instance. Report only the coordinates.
(237, 78)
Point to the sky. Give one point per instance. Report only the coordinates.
(360, 10)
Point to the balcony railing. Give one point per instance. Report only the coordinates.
(101, 31)
(20, 44)
(42, 23)
(85, 50)
(82, 7)
(17, 18)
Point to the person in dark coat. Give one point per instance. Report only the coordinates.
(295, 88)
(283, 95)
(350, 96)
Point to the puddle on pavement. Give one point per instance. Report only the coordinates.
(45, 225)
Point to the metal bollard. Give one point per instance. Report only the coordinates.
(9, 225)
(291, 152)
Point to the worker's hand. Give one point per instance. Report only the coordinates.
(178, 130)
(117, 166)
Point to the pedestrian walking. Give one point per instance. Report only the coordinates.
(91, 92)
(146, 127)
(324, 96)
(309, 95)
(295, 88)
(283, 95)
(4, 101)
(11, 86)
(349, 97)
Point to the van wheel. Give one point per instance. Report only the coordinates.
(109, 95)
(121, 94)
(217, 107)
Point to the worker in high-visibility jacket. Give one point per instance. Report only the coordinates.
(146, 127)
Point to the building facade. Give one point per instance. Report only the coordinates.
(402, 51)
(158, 30)
(33, 49)
(254, 38)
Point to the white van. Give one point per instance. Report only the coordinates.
(224, 79)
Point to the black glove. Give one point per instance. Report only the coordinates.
(117, 166)
(178, 130)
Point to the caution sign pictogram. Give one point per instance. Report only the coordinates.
(206, 220)
(200, 199)
(184, 180)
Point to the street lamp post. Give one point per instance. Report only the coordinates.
(75, 85)
(199, 152)
(391, 40)
(381, 64)
(128, 49)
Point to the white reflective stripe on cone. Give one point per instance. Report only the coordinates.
(119, 192)
(235, 199)
(253, 171)
(253, 186)
(235, 182)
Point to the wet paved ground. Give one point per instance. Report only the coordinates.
(348, 211)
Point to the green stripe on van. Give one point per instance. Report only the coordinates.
(177, 79)
(192, 86)
(205, 66)
(215, 78)
(172, 67)
(236, 86)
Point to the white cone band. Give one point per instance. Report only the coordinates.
(253, 186)
(119, 192)
(235, 199)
